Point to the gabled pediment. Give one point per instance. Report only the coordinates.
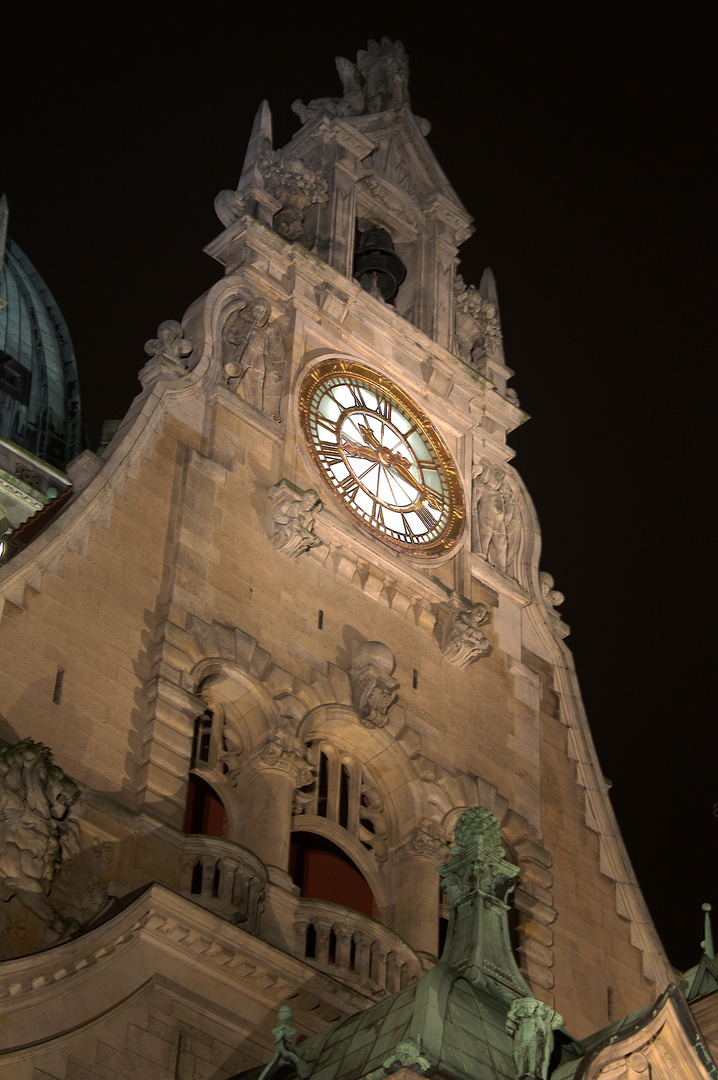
(403, 161)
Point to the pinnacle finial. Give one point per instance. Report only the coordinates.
(707, 943)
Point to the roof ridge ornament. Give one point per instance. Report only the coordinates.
(286, 1058)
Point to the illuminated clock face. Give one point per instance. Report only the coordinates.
(382, 457)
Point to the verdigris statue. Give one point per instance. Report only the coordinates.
(531, 1024)
(37, 830)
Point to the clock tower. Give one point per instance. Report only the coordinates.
(291, 626)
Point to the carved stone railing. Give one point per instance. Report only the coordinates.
(353, 948)
(223, 878)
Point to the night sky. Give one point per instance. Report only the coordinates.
(579, 139)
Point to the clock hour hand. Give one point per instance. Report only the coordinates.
(354, 450)
(369, 437)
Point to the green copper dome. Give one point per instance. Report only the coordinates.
(40, 407)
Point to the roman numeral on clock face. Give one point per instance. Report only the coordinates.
(330, 454)
(349, 487)
(358, 397)
(425, 516)
(383, 407)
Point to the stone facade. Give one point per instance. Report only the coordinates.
(222, 624)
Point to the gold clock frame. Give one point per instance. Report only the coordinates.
(335, 370)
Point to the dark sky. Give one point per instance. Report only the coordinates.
(579, 138)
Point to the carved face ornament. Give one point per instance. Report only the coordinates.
(382, 458)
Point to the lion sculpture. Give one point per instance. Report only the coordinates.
(37, 830)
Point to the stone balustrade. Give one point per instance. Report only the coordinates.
(354, 949)
(225, 878)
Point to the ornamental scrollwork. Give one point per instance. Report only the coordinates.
(464, 641)
(422, 845)
(374, 687)
(551, 597)
(277, 756)
(168, 352)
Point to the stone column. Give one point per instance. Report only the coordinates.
(270, 781)
(416, 904)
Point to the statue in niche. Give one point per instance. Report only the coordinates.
(465, 642)
(256, 368)
(37, 830)
(498, 518)
(294, 520)
(531, 1024)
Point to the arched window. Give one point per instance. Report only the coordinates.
(346, 794)
(204, 811)
(324, 872)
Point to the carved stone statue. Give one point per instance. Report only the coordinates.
(531, 1024)
(465, 641)
(375, 690)
(275, 187)
(294, 519)
(477, 330)
(256, 368)
(498, 518)
(377, 82)
(37, 831)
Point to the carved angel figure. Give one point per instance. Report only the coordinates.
(498, 518)
(37, 833)
(256, 369)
